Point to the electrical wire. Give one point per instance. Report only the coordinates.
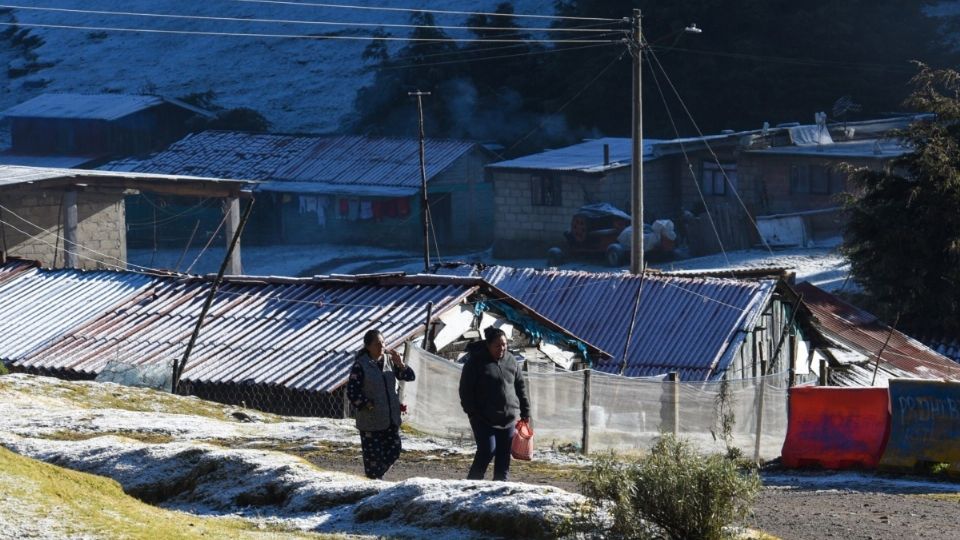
(292, 36)
(792, 61)
(486, 58)
(295, 21)
(693, 175)
(568, 102)
(437, 11)
(709, 148)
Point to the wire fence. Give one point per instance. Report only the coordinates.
(606, 412)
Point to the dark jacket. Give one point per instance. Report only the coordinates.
(373, 390)
(493, 392)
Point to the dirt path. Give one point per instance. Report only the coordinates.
(809, 506)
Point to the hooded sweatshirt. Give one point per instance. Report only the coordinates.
(493, 392)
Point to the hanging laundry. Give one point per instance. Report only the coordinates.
(344, 208)
(403, 207)
(366, 210)
(322, 204)
(308, 204)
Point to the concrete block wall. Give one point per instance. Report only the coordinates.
(524, 230)
(101, 230)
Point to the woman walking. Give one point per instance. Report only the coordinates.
(493, 393)
(372, 390)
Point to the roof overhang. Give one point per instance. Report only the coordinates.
(19, 177)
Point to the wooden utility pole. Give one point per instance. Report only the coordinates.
(178, 368)
(636, 168)
(424, 201)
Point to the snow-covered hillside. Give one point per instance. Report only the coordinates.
(203, 459)
(300, 85)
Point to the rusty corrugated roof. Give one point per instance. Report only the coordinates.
(691, 325)
(864, 333)
(299, 335)
(38, 305)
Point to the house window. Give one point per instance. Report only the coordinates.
(816, 180)
(545, 190)
(712, 178)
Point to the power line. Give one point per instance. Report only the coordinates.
(486, 58)
(686, 158)
(792, 61)
(297, 21)
(295, 36)
(716, 159)
(437, 11)
(569, 101)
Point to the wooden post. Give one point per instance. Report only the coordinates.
(346, 402)
(760, 385)
(232, 209)
(70, 243)
(675, 377)
(426, 327)
(178, 369)
(586, 411)
(792, 377)
(824, 379)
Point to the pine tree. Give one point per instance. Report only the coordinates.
(903, 234)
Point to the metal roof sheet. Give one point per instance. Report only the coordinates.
(863, 332)
(583, 157)
(38, 305)
(296, 334)
(88, 106)
(691, 325)
(866, 148)
(325, 160)
(55, 161)
(12, 175)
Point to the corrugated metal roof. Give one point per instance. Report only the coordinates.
(55, 161)
(583, 157)
(691, 325)
(38, 305)
(299, 335)
(13, 267)
(862, 332)
(373, 161)
(330, 160)
(12, 175)
(89, 106)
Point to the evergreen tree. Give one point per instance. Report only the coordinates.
(903, 235)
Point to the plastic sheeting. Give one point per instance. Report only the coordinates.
(625, 413)
(156, 375)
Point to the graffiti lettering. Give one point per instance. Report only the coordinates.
(927, 409)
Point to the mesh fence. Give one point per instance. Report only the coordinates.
(622, 413)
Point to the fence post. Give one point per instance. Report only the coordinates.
(586, 411)
(670, 404)
(406, 361)
(346, 402)
(675, 377)
(792, 377)
(760, 385)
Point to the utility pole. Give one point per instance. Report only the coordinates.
(424, 201)
(636, 165)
